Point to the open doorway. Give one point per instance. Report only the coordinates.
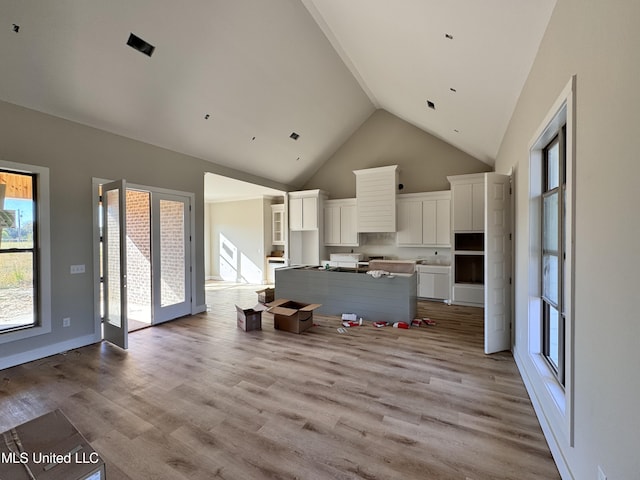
(245, 233)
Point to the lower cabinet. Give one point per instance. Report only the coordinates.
(434, 281)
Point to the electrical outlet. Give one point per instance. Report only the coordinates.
(66, 322)
(601, 475)
(77, 269)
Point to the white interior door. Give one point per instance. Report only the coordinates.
(171, 265)
(497, 294)
(114, 259)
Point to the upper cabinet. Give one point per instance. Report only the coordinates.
(424, 219)
(340, 222)
(376, 199)
(278, 224)
(467, 193)
(304, 210)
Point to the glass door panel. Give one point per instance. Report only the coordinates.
(115, 263)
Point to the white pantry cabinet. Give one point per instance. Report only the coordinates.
(424, 219)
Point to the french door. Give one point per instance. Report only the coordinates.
(170, 259)
(171, 254)
(114, 266)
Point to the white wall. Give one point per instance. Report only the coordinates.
(597, 41)
(242, 223)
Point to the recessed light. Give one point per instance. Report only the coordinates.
(431, 105)
(448, 36)
(139, 44)
(294, 136)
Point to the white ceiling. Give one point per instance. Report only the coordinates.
(262, 69)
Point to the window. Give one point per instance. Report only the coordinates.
(18, 255)
(553, 252)
(25, 289)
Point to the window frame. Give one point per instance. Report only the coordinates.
(42, 245)
(547, 303)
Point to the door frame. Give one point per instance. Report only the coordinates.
(96, 182)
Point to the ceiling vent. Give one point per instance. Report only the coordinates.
(431, 105)
(140, 45)
(294, 135)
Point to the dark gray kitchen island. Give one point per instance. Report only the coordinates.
(340, 290)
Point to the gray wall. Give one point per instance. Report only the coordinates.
(75, 154)
(384, 139)
(598, 42)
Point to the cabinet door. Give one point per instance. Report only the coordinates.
(277, 226)
(309, 213)
(441, 286)
(477, 207)
(429, 222)
(331, 225)
(295, 214)
(426, 285)
(349, 225)
(409, 223)
(462, 198)
(443, 223)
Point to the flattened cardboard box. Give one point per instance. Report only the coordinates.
(50, 448)
(250, 318)
(292, 316)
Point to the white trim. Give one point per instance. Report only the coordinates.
(44, 254)
(46, 351)
(554, 447)
(553, 405)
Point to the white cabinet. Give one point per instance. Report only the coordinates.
(278, 224)
(376, 199)
(303, 210)
(468, 202)
(434, 281)
(306, 234)
(424, 219)
(340, 222)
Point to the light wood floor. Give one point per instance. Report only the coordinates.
(198, 398)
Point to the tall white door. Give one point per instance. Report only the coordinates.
(171, 264)
(497, 289)
(114, 259)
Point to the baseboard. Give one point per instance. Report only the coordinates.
(556, 451)
(46, 351)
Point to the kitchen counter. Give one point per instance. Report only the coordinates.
(343, 290)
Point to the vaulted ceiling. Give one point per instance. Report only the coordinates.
(231, 81)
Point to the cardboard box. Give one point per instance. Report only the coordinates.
(292, 316)
(49, 448)
(266, 295)
(250, 318)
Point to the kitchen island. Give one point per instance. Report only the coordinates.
(342, 290)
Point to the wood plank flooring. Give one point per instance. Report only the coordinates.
(198, 398)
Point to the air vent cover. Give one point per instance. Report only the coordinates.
(140, 45)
